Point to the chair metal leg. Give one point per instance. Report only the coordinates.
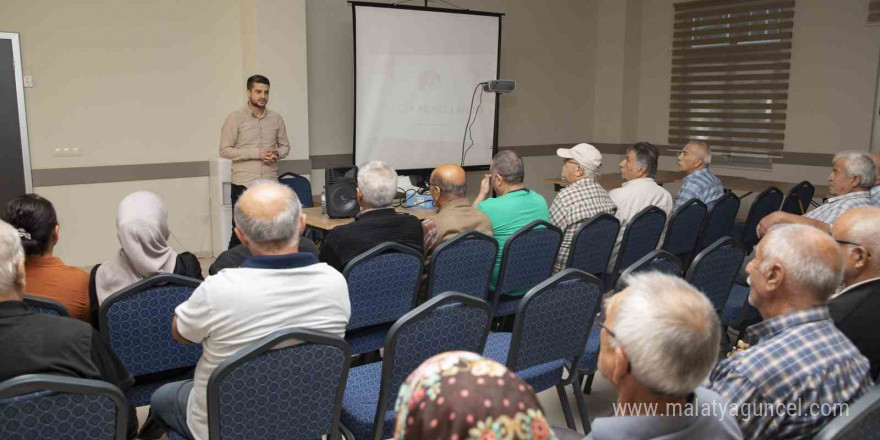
(588, 384)
(566, 408)
(582, 405)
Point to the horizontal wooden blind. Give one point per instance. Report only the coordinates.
(730, 65)
(874, 12)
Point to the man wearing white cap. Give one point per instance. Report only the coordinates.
(582, 198)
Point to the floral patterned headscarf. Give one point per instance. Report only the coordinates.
(461, 396)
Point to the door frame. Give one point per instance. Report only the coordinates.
(22, 113)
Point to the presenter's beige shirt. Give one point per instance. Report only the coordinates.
(242, 137)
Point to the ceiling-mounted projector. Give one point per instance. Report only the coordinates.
(499, 86)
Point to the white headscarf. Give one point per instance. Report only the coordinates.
(142, 229)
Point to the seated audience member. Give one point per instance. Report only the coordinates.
(142, 229)
(853, 173)
(377, 222)
(516, 206)
(448, 186)
(47, 275)
(36, 343)
(639, 190)
(660, 341)
(698, 182)
(581, 199)
(798, 356)
(875, 190)
(277, 287)
(237, 255)
(462, 395)
(855, 309)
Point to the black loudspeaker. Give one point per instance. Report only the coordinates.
(340, 192)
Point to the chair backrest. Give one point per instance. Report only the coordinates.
(291, 381)
(42, 406)
(300, 185)
(640, 237)
(798, 199)
(45, 305)
(554, 320)
(766, 202)
(382, 284)
(714, 270)
(682, 232)
(528, 257)
(448, 322)
(593, 243)
(861, 421)
(658, 261)
(719, 219)
(463, 264)
(136, 322)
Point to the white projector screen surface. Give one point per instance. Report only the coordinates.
(415, 73)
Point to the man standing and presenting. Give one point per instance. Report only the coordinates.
(254, 138)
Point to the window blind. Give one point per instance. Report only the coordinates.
(730, 69)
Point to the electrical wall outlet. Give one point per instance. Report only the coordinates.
(28, 81)
(66, 152)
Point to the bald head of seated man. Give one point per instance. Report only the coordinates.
(448, 187)
(855, 308)
(853, 173)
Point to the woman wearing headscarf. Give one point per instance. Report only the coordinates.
(46, 275)
(142, 230)
(460, 396)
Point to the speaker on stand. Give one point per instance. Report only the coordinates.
(340, 191)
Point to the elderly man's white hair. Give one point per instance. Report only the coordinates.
(703, 150)
(11, 257)
(859, 163)
(378, 183)
(865, 230)
(799, 250)
(669, 331)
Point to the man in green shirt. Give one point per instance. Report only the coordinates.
(515, 206)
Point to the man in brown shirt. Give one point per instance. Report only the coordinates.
(448, 186)
(254, 138)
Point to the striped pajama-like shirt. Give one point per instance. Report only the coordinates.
(700, 184)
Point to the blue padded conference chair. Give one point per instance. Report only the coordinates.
(798, 199)
(640, 237)
(42, 406)
(48, 306)
(549, 332)
(683, 230)
(860, 421)
(766, 202)
(593, 243)
(383, 285)
(136, 322)
(719, 220)
(448, 322)
(657, 260)
(714, 270)
(463, 264)
(527, 260)
(300, 185)
(289, 383)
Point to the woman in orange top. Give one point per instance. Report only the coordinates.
(47, 276)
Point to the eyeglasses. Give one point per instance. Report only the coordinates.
(605, 327)
(854, 244)
(569, 161)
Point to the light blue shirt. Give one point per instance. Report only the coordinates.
(700, 184)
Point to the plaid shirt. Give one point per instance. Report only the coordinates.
(574, 205)
(802, 359)
(700, 184)
(875, 195)
(836, 206)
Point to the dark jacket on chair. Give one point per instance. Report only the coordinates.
(369, 229)
(855, 313)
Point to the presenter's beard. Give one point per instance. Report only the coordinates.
(260, 103)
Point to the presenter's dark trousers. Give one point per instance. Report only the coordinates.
(236, 192)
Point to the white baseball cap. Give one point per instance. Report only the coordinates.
(584, 154)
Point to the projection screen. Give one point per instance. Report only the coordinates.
(415, 73)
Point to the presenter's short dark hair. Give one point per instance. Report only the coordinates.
(257, 79)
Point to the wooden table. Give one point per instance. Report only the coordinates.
(315, 219)
(754, 185)
(612, 181)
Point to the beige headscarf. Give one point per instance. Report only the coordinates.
(142, 229)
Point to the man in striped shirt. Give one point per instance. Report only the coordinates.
(801, 370)
(875, 191)
(698, 182)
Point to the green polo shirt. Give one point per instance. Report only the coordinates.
(509, 213)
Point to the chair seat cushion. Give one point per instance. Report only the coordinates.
(540, 377)
(591, 352)
(361, 400)
(368, 339)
